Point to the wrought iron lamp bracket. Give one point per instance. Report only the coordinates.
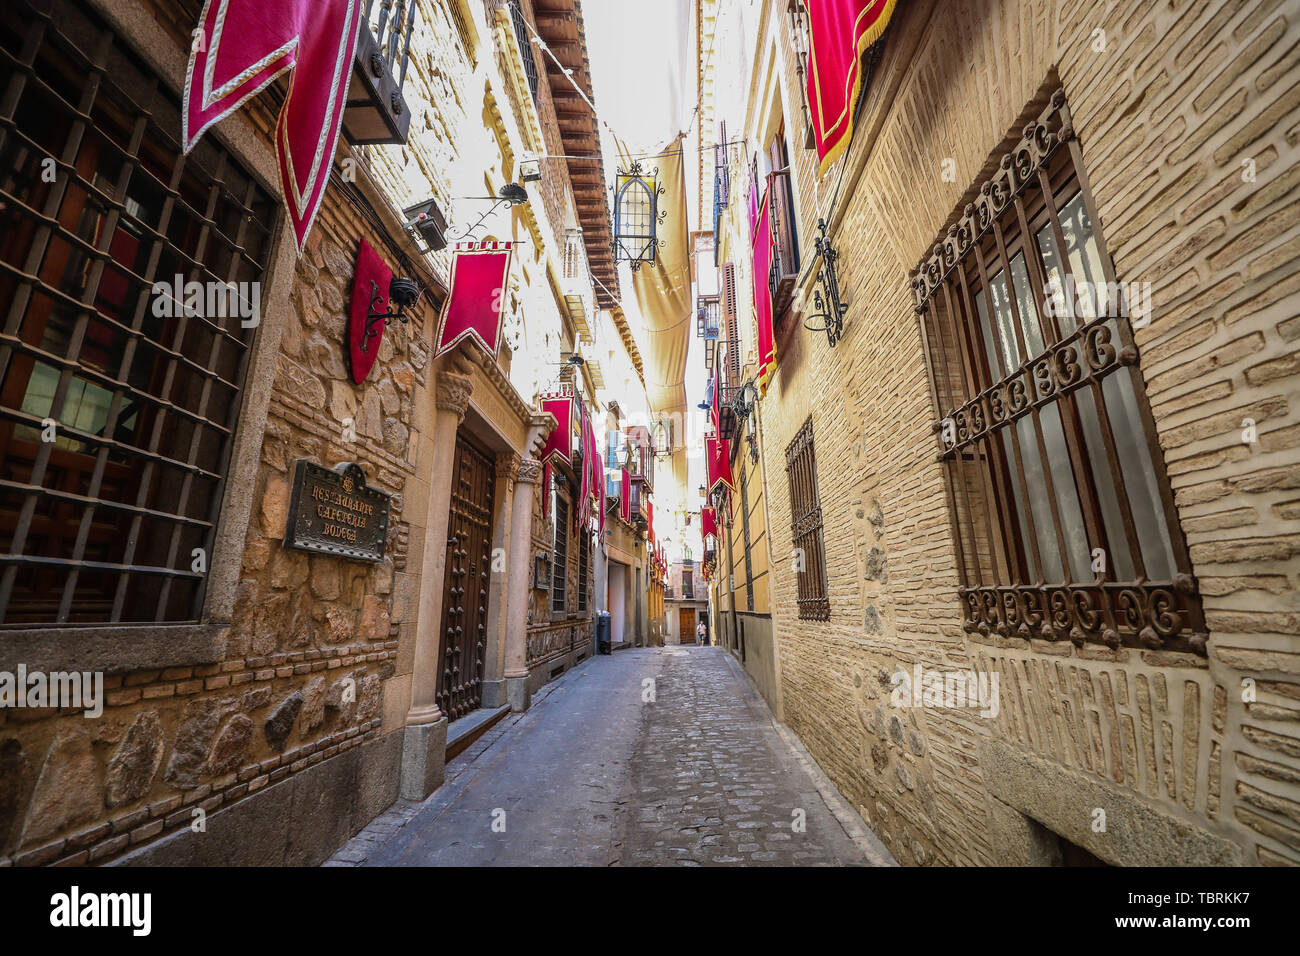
(380, 319)
(745, 405)
(829, 308)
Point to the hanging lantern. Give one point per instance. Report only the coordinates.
(636, 215)
(663, 440)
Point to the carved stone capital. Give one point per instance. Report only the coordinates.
(530, 471)
(451, 393)
(507, 465)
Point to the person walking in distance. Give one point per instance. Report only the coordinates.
(701, 634)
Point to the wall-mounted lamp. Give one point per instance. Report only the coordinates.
(513, 193)
(828, 309)
(427, 221)
(402, 293)
(530, 169)
(745, 404)
(576, 360)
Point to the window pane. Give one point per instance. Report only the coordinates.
(1121, 405)
(1067, 497)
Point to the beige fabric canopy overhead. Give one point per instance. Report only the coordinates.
(663, 294)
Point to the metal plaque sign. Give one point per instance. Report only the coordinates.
(331, 511)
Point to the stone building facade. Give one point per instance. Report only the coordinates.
(1185, 119)
(296, 695)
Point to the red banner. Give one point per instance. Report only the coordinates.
(596, 472)
(241, 46)
(762, 291)
(582, 502)
(475, 305)
(708, 523)
(625, 496)
(840, 31)
(718, 457)
(370, 277)
(559, 444)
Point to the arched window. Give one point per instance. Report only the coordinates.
(635, 216)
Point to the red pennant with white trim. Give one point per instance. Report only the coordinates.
(241, 46)
(475, 306)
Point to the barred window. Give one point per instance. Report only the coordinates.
(525, 46)
(1057, 493)
(744, 522)
(118, 405)
(584, 564)
(560, 566)
(806, 526)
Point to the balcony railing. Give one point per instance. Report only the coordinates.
(576, 286)
(376, 110)
(785, 253)
(728, 384)
(640, 457)
(706, 317)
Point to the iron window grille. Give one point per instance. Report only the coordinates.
(784, 271)
(728, 354)
(1060, 507)
(139, 393)
(806, 528)
(706, 317)
(721, 168)
(525, 47)
(376, 108)
(744, 523)
(560, 566)
(584, 564)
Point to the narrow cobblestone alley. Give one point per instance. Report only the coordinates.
(702, 775)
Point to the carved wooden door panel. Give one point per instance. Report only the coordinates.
(465, 582)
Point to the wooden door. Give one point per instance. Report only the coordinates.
(686, 621)
(465, 582)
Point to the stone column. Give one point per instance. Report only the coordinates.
(424, 744)
(521, 582)
(494, 688)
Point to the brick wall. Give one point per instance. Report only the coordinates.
(1182, 99)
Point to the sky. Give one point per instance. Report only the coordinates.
(641, 67)
(643, 79)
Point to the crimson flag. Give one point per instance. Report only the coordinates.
(718, 458)
(559, 443)
(839, 32)
(763, 292)
(474, 306)
(708, 523)
(241, 47)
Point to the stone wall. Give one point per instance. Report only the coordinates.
(301, 709)
(1172, 104)
(557, 639)
(313, 638)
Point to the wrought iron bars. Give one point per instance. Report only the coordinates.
(828, 314)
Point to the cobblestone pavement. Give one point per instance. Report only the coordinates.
(590, 775)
